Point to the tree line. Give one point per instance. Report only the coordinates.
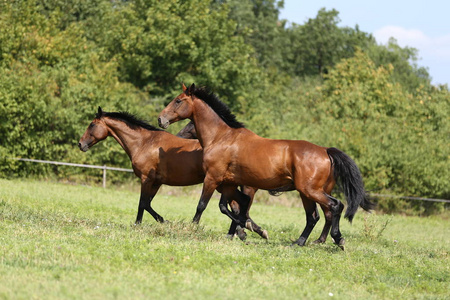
(318, 81)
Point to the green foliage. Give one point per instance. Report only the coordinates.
(320, 43)
(257, 21)
(158, 45)
(50, 89)
(392, 134)
(404, 60)
(317, 81)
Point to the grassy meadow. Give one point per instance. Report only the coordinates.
(60, 241)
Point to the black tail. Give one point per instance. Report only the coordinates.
(347, 174)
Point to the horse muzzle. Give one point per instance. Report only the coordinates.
(83, 147)
(163, 122)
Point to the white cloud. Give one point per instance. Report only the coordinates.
(432, 47)
(402, 35)
(434, 52)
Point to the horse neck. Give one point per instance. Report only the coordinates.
(130, 139)
(207, 123)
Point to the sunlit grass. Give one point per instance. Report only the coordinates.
(78, 242)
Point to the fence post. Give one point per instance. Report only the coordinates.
(104, 176)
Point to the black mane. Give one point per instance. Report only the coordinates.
(130, 120)
(219, 107)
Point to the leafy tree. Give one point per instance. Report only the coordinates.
(319, 44)
(159, 44)
(258, 22)
(392, 134)
(52, 82)
(316, 43)
(406, 70)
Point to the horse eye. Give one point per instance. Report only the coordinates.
(178, 101)
(91, 125)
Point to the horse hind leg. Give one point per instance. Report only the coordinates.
(336, 209)
(331, 206)
(326, 228)
(312, 217)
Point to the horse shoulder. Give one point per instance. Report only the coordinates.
(147, 159)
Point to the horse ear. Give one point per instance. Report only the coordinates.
(99, 112)
(191, 90)
(184, 87)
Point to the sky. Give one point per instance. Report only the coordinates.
(420, 24)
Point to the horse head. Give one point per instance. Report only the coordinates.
(96, 132)
(180, 108)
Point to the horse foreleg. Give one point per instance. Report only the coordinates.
(148, 191)
(312, 216)
(209, 185)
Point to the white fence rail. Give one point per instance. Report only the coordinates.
(104, 168)
(408, 198)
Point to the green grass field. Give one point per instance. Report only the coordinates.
(78, 242)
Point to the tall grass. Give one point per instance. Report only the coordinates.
(78, 242)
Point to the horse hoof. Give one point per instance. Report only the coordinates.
(317, 242)
(300, 242)
(248, 225)
(341, 244)
(241, 233)
(265, 235)
(230, 236)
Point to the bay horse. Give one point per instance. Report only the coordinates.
(234, 155)
(159, 157)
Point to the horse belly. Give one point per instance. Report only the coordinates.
(266, 168)
(182, 174)
(262, 178)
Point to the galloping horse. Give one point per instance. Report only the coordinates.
(234, 155)
(158, 157)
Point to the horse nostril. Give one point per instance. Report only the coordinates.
(159, 121)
